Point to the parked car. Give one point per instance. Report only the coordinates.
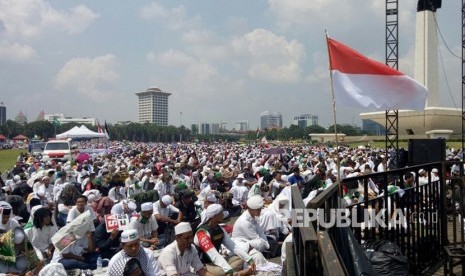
(58, 150)
(37, 148)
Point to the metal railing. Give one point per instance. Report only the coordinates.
(422, 219)
(413, 217)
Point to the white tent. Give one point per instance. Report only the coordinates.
(80, 133)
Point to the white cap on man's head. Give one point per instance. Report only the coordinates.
(132, 205)
(129, 235)
(167, 200)
(132, 173)
(211, 198)
(255, 202)
(182, 227)
(147, 206)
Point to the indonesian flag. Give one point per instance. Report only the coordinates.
(361, 82)
(99, 128)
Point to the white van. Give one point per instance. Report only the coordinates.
(58, 150)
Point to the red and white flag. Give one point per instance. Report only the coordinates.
(361, 82)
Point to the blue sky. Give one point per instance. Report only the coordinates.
(224, 61)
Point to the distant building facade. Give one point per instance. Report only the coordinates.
(205, 128)
(305, 120)
(62, 119)
(373, 127)
(21, 118)
(41, 116)
(153, 106)
(270, 120)
(242, 126)
(2, 113)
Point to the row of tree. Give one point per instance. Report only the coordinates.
(153, 133)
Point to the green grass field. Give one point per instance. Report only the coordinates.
(8, 158)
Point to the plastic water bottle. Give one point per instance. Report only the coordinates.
(99, 264)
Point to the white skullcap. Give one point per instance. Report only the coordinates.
(17, 178)
(435, 170)
(241, 175)
(129, 235)
(166, 199)
(19, 236)
(148, 171)
(182, 227)
(212, 210)
(132, 206)
(132, 172)
(91, 198)
(211, 198)
(255, 202)
(421, 171)
(53, 269)
(147, 206)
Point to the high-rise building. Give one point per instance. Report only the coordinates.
(305, 120)
(270, 120)
(21, 118)
(153, 106)
(205, 128)
(242, 126)
(2, 113)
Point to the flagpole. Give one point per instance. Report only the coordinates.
(338, 165)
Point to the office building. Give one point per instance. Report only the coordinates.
(153, 106)
(2, 113)
(271, 120)
(205, 128)
(305, 120)
(242, 126)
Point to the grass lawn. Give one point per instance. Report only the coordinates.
(8, 158)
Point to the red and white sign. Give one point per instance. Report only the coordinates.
(119, 222)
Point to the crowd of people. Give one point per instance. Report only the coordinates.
(191, 209)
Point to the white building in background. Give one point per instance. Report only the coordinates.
(205, 128)
(62, 119)
(269, 120)
(305, 120)
(153, 106)
(242, 126)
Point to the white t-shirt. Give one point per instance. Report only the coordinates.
(144, 229)
(165, 212)
(74, 213)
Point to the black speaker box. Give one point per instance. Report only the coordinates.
(421, 151)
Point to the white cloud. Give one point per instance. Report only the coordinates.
(271, 57)
(90, 77)
(175, 18)
(170, 58)
(30, 18)
(16, 52)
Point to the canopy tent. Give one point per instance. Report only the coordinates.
(80, 133)
(2, 138)
(20, 138)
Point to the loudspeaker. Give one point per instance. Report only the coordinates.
(421, 151)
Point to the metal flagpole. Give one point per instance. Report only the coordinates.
(335, 121)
